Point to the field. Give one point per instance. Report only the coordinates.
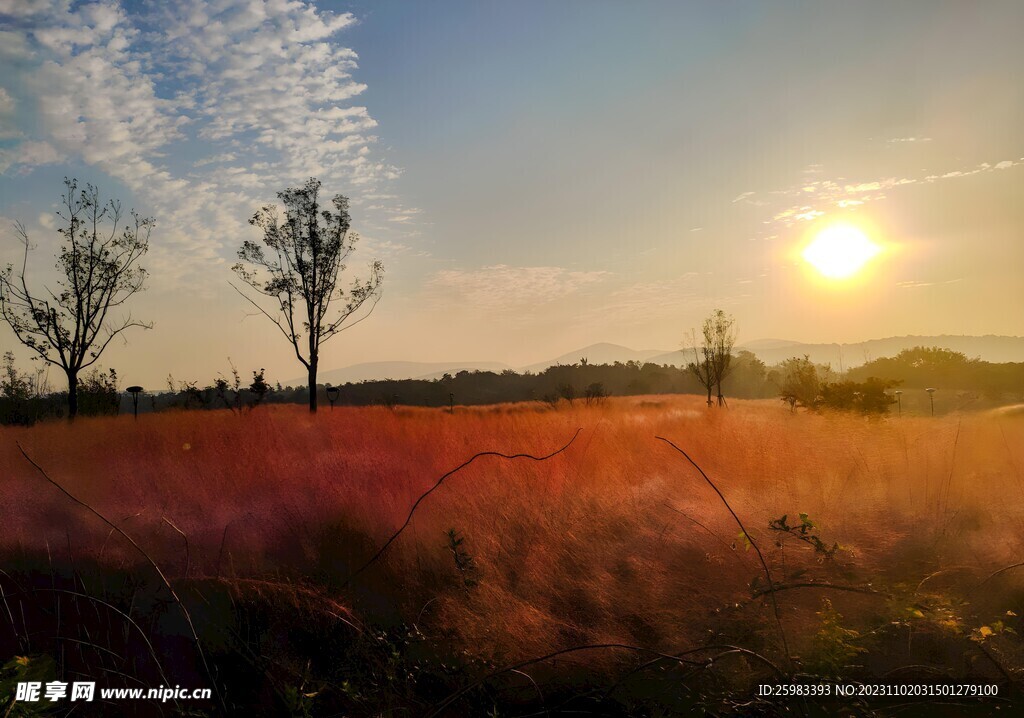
(895, 562)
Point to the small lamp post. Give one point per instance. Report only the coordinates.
(899, 402)
(931, 398)
(135, 391)
(332, 395)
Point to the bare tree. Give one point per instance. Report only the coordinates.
(298, 267)
(712, 355)
(723, 337)
(71, 326)
(702, 366)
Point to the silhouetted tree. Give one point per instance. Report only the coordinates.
(868, 397)
(749, 375)
(14, 384)
(800, 383)
(703, 364)
(723, 332)
(595, 392)
(222, 387)
(98, 260)
(567, 392)
(259, 386)
(307, 253)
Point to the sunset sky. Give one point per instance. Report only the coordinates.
(535, 176)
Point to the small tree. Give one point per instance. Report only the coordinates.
(595, 392)
(703, 364)
(721, 328)
(100, 394)
(300, 272)
(222, 387)
(14, 384)
(19, 402)
(71, 326)
(568, 392)
(259, 386)
(868, 397)
(800, 384)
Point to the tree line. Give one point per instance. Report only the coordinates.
(801, 384)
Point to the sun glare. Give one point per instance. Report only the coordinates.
(840, 251)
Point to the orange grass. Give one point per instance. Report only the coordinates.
(585, 547)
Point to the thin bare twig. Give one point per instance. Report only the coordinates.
(760, 556)
(112, 607)
(156, 567)
(940, 572)
(698, 523)
(992, 575)
(438, 483)
(540, 694)
(184, 537)
(952, 466)
(811, 584)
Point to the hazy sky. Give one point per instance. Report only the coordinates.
(536, 176)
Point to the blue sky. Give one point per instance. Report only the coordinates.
(535, 176)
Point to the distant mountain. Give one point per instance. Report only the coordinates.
(601, 353)
(770, 351)
(991, 348)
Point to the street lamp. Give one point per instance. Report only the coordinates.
(899, 402)
(332, 395)
(135, 391)
(931, 397)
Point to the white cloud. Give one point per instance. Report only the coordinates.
(215, 159)
(30, 8)
(6, 102)
(29, 154)
(264, 82)
(830, 194)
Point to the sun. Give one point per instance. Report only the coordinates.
(840, 251)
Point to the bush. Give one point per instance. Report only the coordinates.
(867, 397)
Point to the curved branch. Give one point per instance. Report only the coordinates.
(810, 584)
(992, 575)
(760, 556)
(156, 567)
(437, 485)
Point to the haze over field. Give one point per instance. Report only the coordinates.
(535, 176)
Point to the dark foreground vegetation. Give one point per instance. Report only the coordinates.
(369, 562)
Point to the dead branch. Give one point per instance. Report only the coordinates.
(156, 567)
(810, 584)
(437, 485)
(760, 556)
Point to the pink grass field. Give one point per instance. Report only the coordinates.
(589, 546)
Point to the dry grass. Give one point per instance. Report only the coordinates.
(586, 547)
